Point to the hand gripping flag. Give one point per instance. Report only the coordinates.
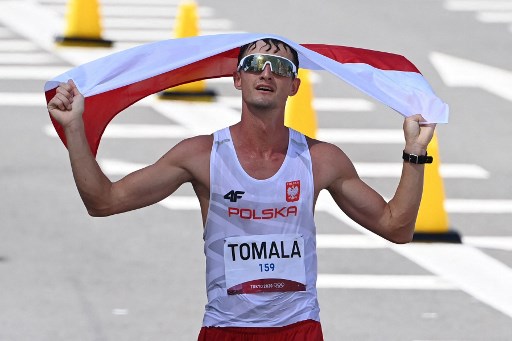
(113, 83)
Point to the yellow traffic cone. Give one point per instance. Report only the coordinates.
(187, 25)
(83, 25)
(299, 113)
(432, 223)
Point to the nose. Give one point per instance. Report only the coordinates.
(267, 71)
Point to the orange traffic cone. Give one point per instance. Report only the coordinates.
(187, 26)
(83, 25)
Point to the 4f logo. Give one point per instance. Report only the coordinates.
(293, 191)
(233, 196)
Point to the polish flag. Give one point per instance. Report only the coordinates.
(113, 83)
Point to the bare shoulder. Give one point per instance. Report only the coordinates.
(192, 155)
(191, 148)
(330, 163)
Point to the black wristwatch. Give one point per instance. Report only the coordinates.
(417, 159)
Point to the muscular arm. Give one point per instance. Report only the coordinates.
(149, 185)
(393, 220)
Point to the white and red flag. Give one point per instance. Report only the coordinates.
(113, 83)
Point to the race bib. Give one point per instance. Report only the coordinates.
(264, 263)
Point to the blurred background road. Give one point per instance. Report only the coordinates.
(140, 275)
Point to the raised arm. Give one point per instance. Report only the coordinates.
(144, 187)
(393, 220)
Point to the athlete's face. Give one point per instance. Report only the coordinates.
(266, 90)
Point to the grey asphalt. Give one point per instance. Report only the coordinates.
(140, 275)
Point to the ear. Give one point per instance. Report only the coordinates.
(295, 86)
(237, 81)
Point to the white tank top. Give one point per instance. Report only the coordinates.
(260, 243)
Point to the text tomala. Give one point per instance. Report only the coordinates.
(264, 250)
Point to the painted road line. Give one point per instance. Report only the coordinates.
(117, 2)
(401, 282)
(470, 269)
(387, 136)
(139, 11)
(459, 171)
(10, 45)
(320, 104)
(155, 131)
(478, 274)
(490, 206)
(349, 241)
(394, 170)
(495, 17)
(199, 118)
(486, 77)
(155, 11)
(141, 35)
(486, 242)
(163, 24)
(5, 33)
(33, 58)
(30, 72)
(476, 5)
(21, 99)
(325, 202)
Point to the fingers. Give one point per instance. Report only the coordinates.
(418, 131)
(64, 95)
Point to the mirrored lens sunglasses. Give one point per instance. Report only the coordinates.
(279, 65)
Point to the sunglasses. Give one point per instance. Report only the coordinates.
(278, 65)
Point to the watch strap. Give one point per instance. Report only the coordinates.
(417, 159)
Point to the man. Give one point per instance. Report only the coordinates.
(257, 183)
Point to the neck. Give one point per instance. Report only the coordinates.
(263, 133)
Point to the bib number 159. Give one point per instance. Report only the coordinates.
(266, 267)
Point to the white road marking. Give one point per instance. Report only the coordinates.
(17, 45)
(320, 104)
(459, 171)
(394, 170)
(349, 241)
(459, 72)
(199, 118)
(136, 11)
(490, 206)
(158, 131)
(494, 17)
(478, 274)
(362, 241)
(478, 5)
(400, 282)
(325, 202)
(5, 33)
(163, 24)
(149, 35)
(22, 99)
(470, 269)
(33, 58)
(28, 72)
(116, 2)
(503, 243)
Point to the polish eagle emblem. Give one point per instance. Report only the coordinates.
(293, 191)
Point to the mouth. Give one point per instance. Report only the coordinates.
(264, 88)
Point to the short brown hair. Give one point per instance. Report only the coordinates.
(270, 42)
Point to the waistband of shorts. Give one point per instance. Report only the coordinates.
(265, 330)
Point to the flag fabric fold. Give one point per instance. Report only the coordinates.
(113, 83)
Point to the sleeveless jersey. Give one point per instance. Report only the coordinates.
(259, 240)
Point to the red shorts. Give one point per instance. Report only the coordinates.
(308, 330)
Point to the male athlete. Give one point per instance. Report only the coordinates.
(257, 183)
